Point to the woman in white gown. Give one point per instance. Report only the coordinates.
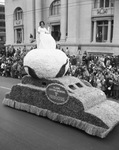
(44, 39)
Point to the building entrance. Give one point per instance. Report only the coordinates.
(56, 32)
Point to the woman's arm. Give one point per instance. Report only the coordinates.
(46, 31)
(39, 29)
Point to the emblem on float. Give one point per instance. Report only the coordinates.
(57, 94)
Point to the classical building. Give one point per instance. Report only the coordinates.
(91, 24)
(2, 26)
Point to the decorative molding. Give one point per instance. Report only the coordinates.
(18, 22)
(102, 11)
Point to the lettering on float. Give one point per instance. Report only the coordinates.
(57, 94)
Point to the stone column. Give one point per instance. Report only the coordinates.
(22, 35)
(28, 20)
(63, 19)
(73, 21)
(38, 12)
(34, 18)
(109, 31)
(94, 31)
(15, 36)
(116, 23)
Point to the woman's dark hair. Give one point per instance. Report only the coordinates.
(41, 22)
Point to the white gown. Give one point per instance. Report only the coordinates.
(45, 40)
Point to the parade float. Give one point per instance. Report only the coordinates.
(47, 92)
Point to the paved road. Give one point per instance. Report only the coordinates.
(23, 131)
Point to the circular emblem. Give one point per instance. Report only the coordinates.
(57, 94)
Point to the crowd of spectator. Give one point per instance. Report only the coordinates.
(11, 62)
(101, 71)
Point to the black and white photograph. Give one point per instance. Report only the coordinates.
(59, 74)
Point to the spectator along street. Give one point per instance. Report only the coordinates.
(101, 71)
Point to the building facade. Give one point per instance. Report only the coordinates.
(91, 24)
(2, 27)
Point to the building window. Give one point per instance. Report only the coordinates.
(2, 16)
(2, 30)
(103, 3)
(2, 24)
(95, 3)
(18, 26)
(55, 7)
(2, 9)
(106, 3)
(56, 32)
(2, 38)
(19, 35)
(111, 3)
(100, 31)
(18, 14)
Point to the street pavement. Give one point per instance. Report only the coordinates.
(23, 131)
